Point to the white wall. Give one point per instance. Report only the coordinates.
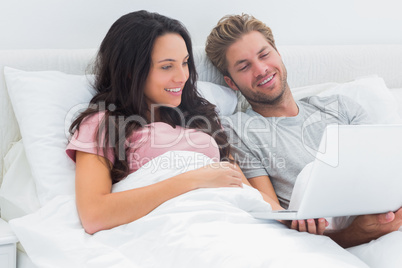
(83, 23)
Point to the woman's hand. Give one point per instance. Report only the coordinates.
(220, 174)
(312, 226)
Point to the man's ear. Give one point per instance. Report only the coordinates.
(230, 83)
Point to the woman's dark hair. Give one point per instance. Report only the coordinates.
(121, 69)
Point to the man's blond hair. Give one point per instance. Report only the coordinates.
(230, 29)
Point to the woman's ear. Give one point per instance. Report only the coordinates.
(230, 83)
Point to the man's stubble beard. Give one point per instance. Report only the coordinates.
(260, 99)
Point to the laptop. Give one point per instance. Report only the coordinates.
(357, 171)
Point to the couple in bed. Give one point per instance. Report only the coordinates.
(146, 98)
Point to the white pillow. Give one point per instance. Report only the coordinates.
(41, 102)
(370, 92)
(44, 104)
(224, 98)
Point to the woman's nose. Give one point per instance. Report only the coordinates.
(181, 75)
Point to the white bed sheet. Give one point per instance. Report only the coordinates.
(17, 193)
(202, 228)
(23, 261)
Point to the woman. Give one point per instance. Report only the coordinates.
(145, 76)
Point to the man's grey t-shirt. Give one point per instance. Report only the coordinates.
(281, 147)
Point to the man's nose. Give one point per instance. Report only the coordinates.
(259, 68)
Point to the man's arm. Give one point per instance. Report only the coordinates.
(366, 228)
(362, 230)
(264, 185)
(268, 195)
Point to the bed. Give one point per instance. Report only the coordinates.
(42, 90)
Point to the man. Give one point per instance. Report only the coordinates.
(269, 140)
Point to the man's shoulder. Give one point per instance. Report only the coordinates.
(329, 102)
(238, 117)
(319, 100)
(340, 106)
(324, 100)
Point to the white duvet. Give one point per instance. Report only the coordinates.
(202, 228)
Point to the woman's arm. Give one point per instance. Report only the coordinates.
(99, 209)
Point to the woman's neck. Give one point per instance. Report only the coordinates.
(153, 115)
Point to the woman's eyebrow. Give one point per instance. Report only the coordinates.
(173, 60)
(166, 60)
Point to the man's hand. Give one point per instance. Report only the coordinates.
(367, 227)
(312, 226)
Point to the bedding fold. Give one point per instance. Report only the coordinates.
(201, 228)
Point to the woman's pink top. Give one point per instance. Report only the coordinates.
(145, 144)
